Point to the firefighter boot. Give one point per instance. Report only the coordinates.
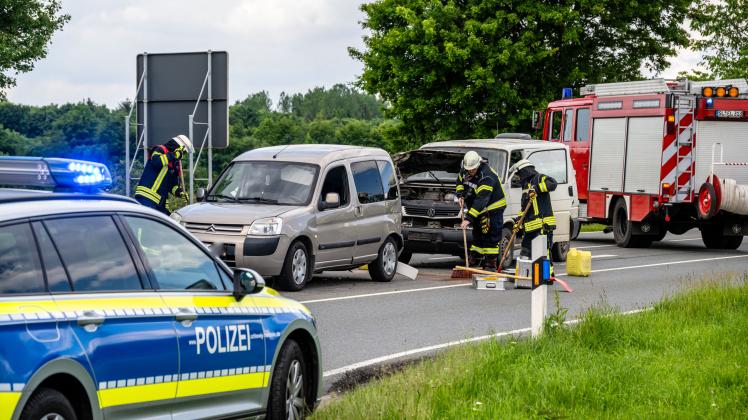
(475, 259)
(489, 264)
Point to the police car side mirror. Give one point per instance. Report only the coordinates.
(200, 194)
(246, 281)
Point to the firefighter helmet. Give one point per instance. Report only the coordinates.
(472, 160)
(524, 163)
(185, 142)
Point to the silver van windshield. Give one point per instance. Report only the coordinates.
(283, 183)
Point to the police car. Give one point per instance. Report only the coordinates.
(110, 310)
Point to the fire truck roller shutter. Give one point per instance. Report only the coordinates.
(644, 155)
(608, 145)
(734, 138)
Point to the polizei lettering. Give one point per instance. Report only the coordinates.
(225, 339)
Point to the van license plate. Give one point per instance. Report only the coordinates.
(729, 114)
(416, 236)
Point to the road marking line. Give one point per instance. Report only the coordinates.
(604, 256)
(603, 270)
(394, 292)
(605, 246)
(393, 356)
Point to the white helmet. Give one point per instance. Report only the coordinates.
(524, 163)
(185, 142)
(472, 160)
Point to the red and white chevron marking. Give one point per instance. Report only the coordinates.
(672, 164)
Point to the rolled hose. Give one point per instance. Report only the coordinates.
(734, 197)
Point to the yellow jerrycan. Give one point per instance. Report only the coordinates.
(578, 263)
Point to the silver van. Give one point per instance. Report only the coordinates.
(431, 221)
(291, 211)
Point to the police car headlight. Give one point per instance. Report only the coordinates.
(267, 226)
(176, 216)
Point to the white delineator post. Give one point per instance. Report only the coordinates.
(539, 294)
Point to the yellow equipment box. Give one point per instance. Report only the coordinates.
(578, 263)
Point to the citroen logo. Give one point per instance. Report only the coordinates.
(431, 212)
(211, 228)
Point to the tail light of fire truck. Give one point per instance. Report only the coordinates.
(670, 122)
(668, 190)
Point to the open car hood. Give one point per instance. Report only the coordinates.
(422, 160)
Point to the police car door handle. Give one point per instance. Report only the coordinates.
(185, 314)
(91, 318)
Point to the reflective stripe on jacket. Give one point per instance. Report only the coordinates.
(541, 210)
(489, 193)
(160, 177)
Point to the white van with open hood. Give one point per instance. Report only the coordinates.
(431, 214)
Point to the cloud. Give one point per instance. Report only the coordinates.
(279, 45)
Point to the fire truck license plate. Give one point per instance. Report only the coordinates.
(729, 114)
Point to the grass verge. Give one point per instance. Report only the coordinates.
(592, 227)
(686, 358)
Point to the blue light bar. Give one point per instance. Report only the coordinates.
(567, 93)
(53, 172)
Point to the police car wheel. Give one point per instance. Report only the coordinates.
(385, 266)
(297, 268)
(288, 390)
(48, 404)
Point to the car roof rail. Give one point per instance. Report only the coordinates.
(17, 196)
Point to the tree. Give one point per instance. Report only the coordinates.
(26, 27)
(723, 26)
(457, 68)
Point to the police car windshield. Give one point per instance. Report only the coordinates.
(283, 183)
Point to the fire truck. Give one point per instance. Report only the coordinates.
(658, 156)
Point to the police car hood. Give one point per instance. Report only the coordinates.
(230, 213)
(423, 161)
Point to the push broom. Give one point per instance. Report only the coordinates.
(460, 273)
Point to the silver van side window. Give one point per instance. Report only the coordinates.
(389, 180)
(336, 181)
(368, 182)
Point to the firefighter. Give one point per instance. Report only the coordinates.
(480, 192)
(162, 172)
(539, 220)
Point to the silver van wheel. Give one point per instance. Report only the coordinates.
(389, 258)
(298, 266)
(295, 391)
(52, 416)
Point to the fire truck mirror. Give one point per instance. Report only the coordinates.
(537, 120)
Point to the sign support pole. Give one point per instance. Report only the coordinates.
(210, 118)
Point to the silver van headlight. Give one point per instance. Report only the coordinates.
(176, 217)
(268, 226)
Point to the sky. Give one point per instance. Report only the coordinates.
(274, 45)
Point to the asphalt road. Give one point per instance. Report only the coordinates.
(363, 323)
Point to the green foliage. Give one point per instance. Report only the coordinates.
(683, 359)
(26, 27)
(723, 25)
(340, 101)
(459, 68)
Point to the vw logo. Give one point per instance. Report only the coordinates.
(736, 228)
(431, 212)
(211, 228)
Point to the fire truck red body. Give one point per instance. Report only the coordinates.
(654, 156)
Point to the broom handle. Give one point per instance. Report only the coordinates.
(464, 236)
(181, 177)
(511, 239)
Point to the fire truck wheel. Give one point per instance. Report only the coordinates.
(623, 229)
(714, 239)
(707, 205)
